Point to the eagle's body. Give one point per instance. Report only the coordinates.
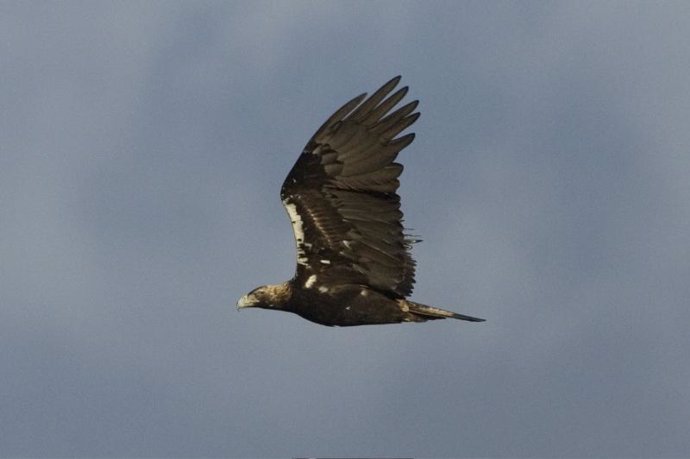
(353, 259)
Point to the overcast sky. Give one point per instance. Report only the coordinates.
(142, 148)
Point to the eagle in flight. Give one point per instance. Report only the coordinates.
(354, 265)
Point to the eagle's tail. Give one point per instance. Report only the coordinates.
(424, 312)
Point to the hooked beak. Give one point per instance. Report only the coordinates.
(246, 301)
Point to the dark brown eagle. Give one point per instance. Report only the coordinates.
(353, 259)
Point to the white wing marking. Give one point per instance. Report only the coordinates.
(310, 282)
(298, 229)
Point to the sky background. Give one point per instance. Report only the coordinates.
(142, 148)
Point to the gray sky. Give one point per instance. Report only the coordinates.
(142, 147)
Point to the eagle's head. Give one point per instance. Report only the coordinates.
(266, 297)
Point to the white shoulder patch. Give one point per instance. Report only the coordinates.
(298, 230)
(323, 289)
(310, 281)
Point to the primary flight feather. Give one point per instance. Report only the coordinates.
(354, 265)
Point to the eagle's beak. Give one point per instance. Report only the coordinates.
(245, 302)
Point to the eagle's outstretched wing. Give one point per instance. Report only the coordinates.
(341, 196)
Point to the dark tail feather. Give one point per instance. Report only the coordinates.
(430, 312)
(467, 318)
